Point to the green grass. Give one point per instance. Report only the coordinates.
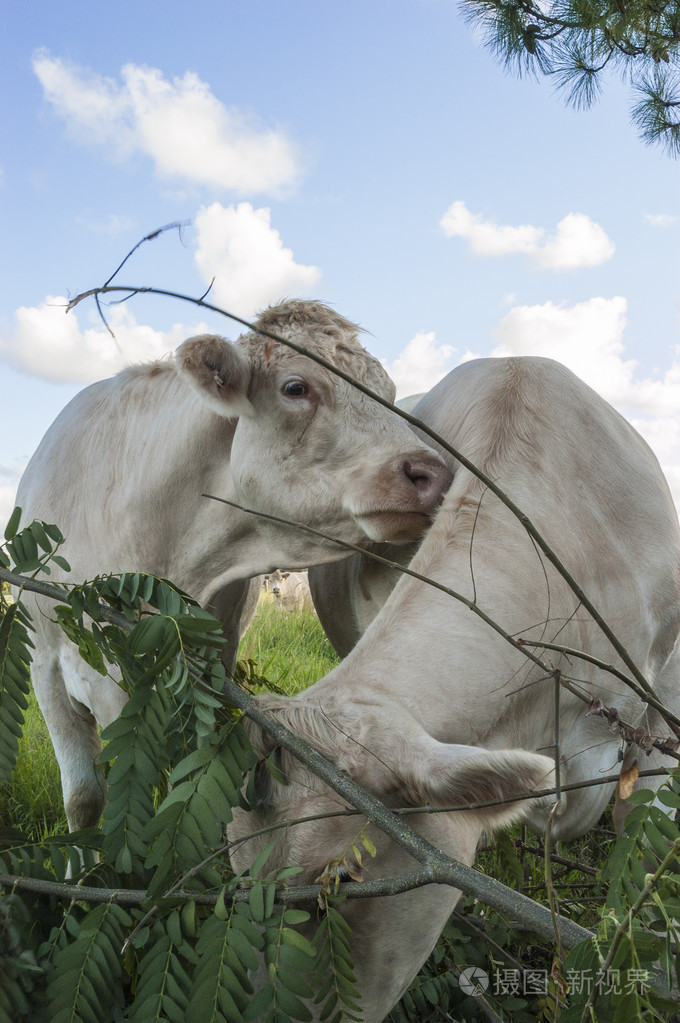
(33, 802)
(290, 650)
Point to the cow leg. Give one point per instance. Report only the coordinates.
(73, 729)
(234, 606)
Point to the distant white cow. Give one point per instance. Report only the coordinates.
(290, 590)
(429, 674)
(122, 470)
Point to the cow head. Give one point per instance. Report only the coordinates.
(275, 579)
(308, 446)
(390, 755)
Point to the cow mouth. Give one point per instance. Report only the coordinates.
(389, 524)
(402, 498)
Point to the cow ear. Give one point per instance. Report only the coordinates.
(454, 775)
(219, 372)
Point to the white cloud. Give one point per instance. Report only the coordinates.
(111, 224)
(588, 338)
(50, 344)
(238, 247)
(420, 364)
(187, 132)
(487, 238)
(577, 241)
(661, 219)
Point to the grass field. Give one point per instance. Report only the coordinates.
(291, 650)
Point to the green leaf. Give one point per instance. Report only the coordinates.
(13, 524)
(664, 823)
(258, 864)
(243, 949)
(196, 759)
(369, 845)
(256, 902)
(295, 916)
(38, 533)
(259, 1004)
(15, 659)
(292, 1005)
(641, 796)
(294, 982)
(669, 798)
(299, 941)
(295, 958)
(54, 532)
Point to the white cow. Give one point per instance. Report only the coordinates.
(429, 674)
(122, 470)
(290, 590)
(347, 594)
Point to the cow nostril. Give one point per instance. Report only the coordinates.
(421, 478)
(429, 477)
(420, 482)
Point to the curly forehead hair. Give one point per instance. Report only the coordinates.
(324, 332)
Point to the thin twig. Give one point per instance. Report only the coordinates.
(550, 891)
(571, 652)
(483, 1004)
(116, 618)
(471, 923)
(629, 733)
(538, 850)
(470, 604)
(177, 225)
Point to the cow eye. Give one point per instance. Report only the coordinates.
(295, 389)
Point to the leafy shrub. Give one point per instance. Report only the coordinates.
(142, 918)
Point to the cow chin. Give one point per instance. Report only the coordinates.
(393, 526)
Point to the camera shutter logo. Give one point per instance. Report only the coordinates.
(474, 981)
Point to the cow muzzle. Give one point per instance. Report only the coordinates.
(403, 497)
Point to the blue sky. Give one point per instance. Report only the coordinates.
(370, 154)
